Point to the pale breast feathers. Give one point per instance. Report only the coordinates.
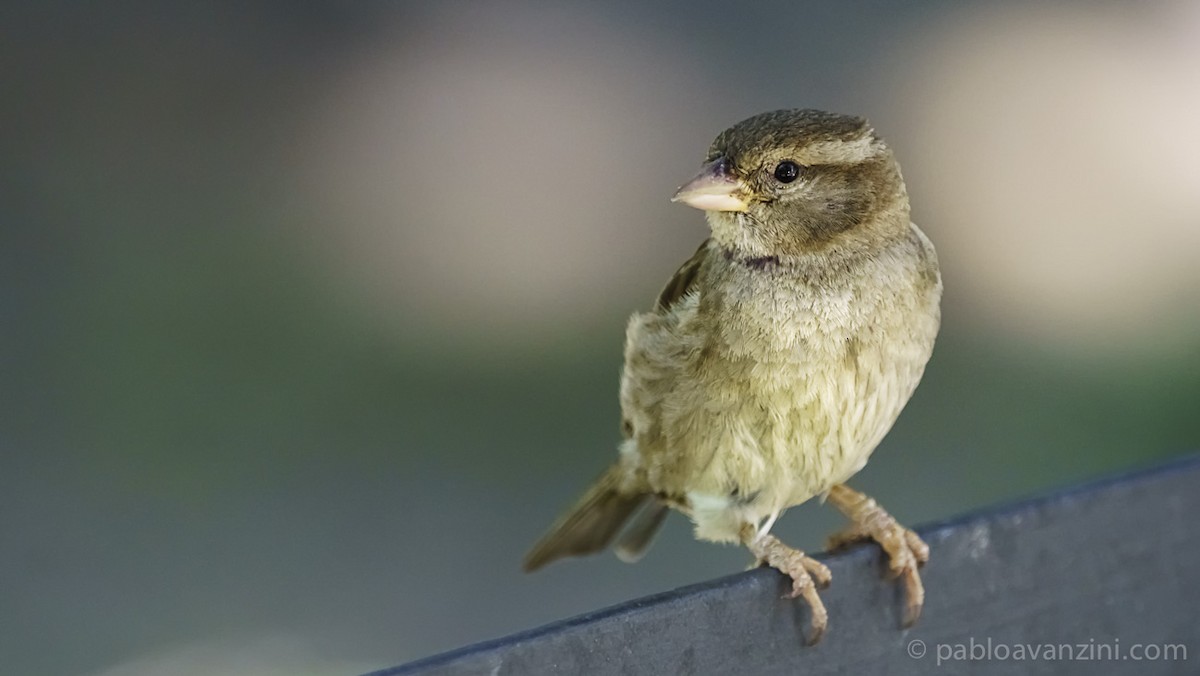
(768, 389)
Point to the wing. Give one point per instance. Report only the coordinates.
(596, 519)
(677, 287)
(683, 280)
(591, 524)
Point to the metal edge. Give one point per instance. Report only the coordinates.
(1188, 462)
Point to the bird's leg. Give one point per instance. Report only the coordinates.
(906, 551)
(806, 573)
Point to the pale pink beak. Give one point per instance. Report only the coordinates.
(713, 189)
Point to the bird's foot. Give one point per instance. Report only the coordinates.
(806, 573)
(905, 549)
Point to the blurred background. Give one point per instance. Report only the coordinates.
(313, 314)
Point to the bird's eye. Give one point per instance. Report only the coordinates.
(786, 171)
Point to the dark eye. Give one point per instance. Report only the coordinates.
(787, 171)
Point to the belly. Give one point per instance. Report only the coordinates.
(740, 439)
(791, 433)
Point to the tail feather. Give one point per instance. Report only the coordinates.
(638, 537)
(590, 525)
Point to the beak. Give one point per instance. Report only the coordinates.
(713, 189)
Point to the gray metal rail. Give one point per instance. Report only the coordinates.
(1098, 579)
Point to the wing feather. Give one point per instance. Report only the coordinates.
(683, 280)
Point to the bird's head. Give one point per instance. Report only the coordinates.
(792, 182)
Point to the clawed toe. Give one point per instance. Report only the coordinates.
(914, 593)
(806, 573)
(803, 586)
(918, 547)
(905, 549)
(906, 552)
(819, 572)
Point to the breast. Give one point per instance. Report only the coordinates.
(767, 387)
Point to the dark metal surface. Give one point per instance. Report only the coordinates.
(1106, 572)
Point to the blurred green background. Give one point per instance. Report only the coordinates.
(313, 314)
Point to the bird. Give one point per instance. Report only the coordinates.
(775, 359)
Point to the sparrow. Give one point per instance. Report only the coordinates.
(776, 358)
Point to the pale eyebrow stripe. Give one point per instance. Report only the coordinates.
(841, 152)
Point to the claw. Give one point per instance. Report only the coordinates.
(905, 549)
(806, 574)
(803, 587)
(914, 591)
(820, 618)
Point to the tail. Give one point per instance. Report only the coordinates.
(638, 537)
(590, 525)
